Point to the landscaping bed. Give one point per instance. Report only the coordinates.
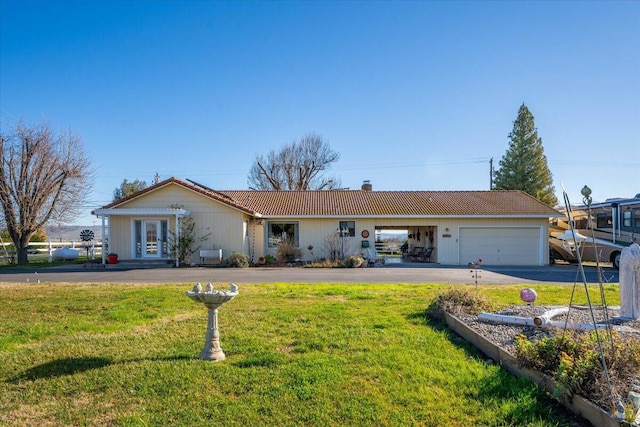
(562, 359)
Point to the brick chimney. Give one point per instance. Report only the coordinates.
(366, 185)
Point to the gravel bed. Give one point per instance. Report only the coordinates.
(504, 334)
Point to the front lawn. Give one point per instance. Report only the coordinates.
(297, 354)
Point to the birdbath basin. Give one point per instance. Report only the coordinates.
(212, 299)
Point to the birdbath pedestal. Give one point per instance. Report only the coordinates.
(212, 300)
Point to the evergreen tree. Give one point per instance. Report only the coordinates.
(524, 165)
(127, 188)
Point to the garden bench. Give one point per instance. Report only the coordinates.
(210, 254)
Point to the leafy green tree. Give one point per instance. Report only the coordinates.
(40, 235)
(524, 165)
(127, 188)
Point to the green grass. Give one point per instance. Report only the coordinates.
(42, 261)
(297, 354)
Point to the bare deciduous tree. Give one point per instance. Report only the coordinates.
(335, 246)
(298, 165)
(44, 177)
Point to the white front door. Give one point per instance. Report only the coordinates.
(151, 239)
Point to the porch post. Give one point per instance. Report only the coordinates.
(104, 247)
(177, 260)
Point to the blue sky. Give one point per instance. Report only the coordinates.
(413, 95)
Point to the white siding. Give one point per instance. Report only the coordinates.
(446, 237)
(222, 224)
(225, 225)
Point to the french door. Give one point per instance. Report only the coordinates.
(151, 238)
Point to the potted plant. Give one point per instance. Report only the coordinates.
(113, 258)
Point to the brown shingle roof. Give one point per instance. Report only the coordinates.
(204, 191)
(343, 203)
(391, 203)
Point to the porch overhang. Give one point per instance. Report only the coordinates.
(134, 212)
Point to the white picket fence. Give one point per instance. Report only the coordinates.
(45, 249)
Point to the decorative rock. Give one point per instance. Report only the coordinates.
(630, 282)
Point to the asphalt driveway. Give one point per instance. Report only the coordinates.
(425, 273)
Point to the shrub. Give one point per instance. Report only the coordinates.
(543, 355)
(354, 261)
(573, 360)
(183, 244)
(457, 300)
(323, 263)
(236, 260)
(287, 251)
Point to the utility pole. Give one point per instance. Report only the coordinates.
(491, 174)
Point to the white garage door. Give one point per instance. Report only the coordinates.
(500, 245)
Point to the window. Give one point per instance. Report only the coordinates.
(165, 241)
(604, 220)
(350, 226)
(581, 222)
(626, 219)
(281, 231)
(636, 216)
(138, 238)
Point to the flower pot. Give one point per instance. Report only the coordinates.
(113, 259)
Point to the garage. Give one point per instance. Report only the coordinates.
(501, 245)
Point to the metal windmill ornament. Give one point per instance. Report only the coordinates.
(86, 236)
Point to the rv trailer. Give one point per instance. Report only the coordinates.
(601, 236)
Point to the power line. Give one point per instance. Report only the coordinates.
(414, 164)
(596, 164)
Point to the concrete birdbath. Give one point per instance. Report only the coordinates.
(212, 300)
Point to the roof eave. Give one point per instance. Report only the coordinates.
(508, 216)
(139, 211)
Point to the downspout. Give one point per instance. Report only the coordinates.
(104, 247)
(178, 220)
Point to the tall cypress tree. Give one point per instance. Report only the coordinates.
(524, 165)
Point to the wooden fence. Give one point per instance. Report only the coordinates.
(8, 251)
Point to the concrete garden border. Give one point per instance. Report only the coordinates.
(577, 404)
